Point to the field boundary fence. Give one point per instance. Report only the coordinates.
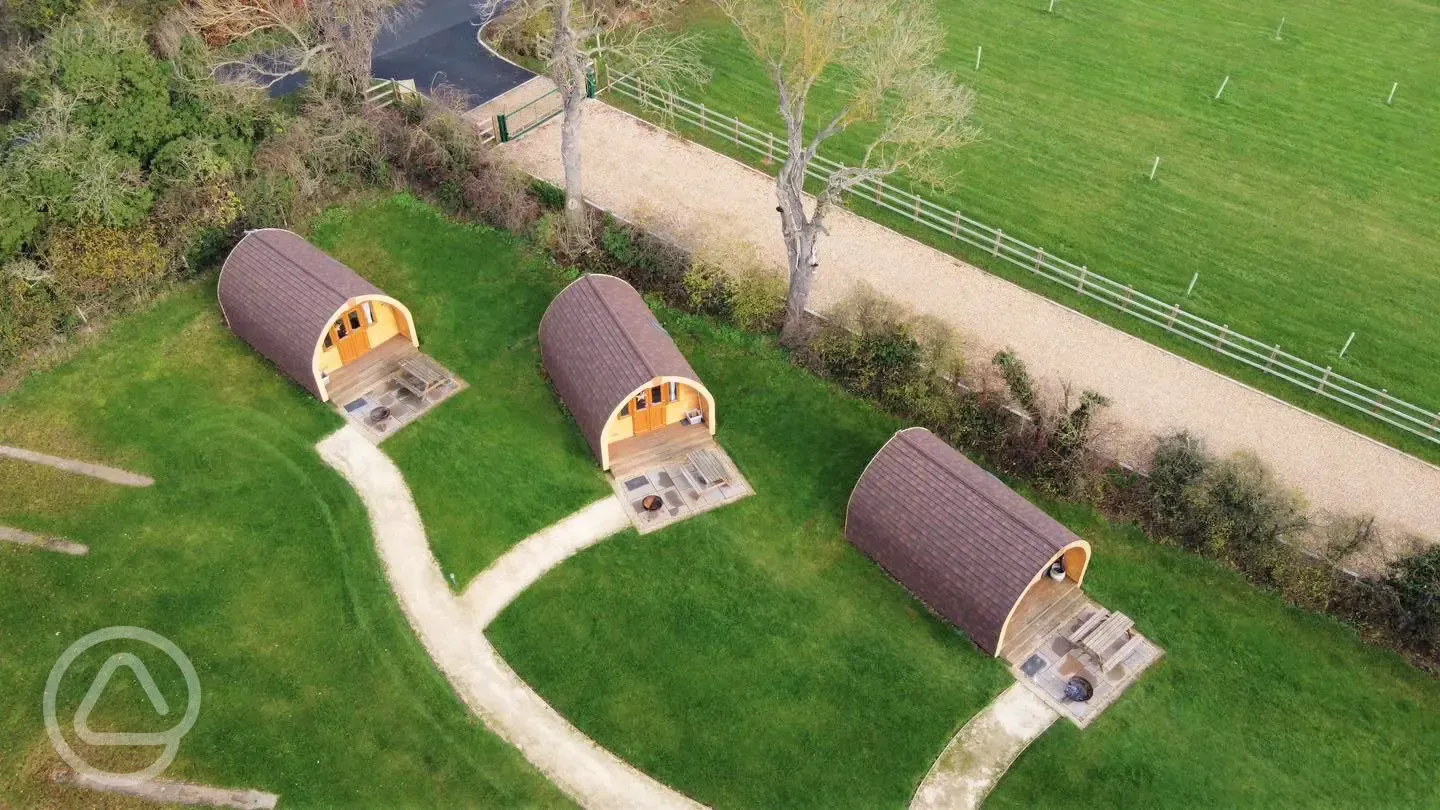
(1376, 403)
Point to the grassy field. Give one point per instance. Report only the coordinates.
(751, 658)
(1307, 205)
(502, 461)
(256, 559)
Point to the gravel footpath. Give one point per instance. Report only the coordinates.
(983, 751)
(690, 192)
(522, 566)
(592, 776)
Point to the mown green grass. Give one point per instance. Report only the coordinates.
(251, 555)
(501, 461)
(751, 658)
(1308, 207)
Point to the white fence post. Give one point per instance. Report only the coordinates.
(1402, 414)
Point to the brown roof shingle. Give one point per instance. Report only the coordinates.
(600, 342)
(279, 293)
(955, 536)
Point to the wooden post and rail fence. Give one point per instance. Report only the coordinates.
(1270, 359)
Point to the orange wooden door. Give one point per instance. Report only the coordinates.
(648, 410)
(349, 335)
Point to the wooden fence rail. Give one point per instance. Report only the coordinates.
(1268, 358)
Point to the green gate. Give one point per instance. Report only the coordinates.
(535, 112)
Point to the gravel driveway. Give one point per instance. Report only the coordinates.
(683, 189)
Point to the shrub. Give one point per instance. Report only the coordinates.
(63, 175)
(121, 92)
(868, 345)
(728, 278)
(649, 263)
(499, 193)
(1415, 581)
(1236, 510)
(91, 263)
(189, 161)
(707, 281)
(549, 195)
(757, 299)
(1178, 462)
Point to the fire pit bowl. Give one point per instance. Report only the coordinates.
(379, 414)
(651, 503)
(1078, 689)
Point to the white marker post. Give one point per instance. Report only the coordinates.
(1393, 88)
(1052, 6)
(1346, 347)
(1154, 168)
(978, 50)
(1280, 28)
(1191, 288)
(1222, 88)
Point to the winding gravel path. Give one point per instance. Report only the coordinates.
(685, 190)
(522, 566)
(592, 776)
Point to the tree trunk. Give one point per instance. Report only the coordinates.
(800, 233)
(802, 279)
(576, 221)
(568, 71)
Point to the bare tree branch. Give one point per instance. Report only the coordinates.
(881, 57)
(630, 36)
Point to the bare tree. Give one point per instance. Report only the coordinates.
(629, 36)
(881, 56)
(334, 38)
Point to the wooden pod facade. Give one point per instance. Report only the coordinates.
(957, 538)
(305, 311)
(615, 367)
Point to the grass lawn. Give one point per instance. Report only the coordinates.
(748, 657)
(501, 461)
(248, 553)
(751, 658)
(1307, 205)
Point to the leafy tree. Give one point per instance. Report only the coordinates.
(101, 63)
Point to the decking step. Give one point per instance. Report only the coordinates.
(1054, 617)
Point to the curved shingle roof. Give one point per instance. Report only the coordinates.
(599, 343)
(279, 293)
(955, 536)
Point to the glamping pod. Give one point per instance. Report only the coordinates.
(616, 368)
(305, 311)
(966, 545)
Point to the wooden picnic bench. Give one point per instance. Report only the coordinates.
(1110, 632)
(420, 377)
(1091, 622)
(708, 467)
(1108, 662)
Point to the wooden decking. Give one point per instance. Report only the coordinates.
(354, 379)
(657, 448)
(1044, 612)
